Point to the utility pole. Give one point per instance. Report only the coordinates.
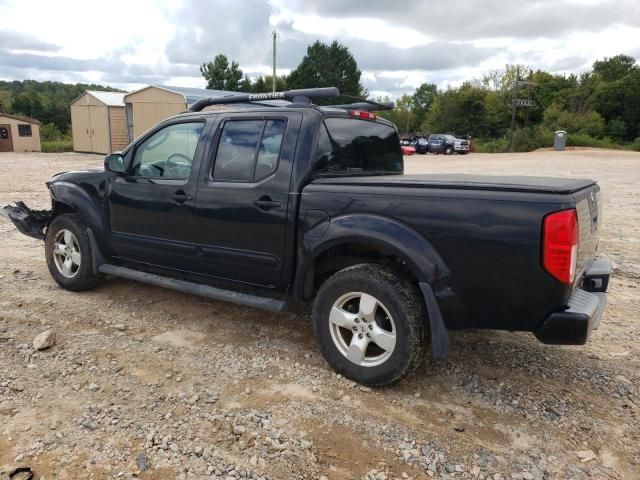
(513, 108)
(274, 60)
(520, 102)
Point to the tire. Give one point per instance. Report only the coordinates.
(398, 311)
(448, 151)
(68, 253)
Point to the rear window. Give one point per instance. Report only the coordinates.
(351, 146)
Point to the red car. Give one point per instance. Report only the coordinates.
(407, 150)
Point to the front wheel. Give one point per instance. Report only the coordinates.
(449, 151)
(370, 324)
(68, 253)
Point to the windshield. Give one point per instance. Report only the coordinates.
(354, 146)
(449, 137)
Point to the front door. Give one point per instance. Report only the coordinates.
(151, 207)
(6, 143)
(243, 198)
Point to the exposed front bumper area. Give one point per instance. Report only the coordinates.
(29, 222)
(573, 325)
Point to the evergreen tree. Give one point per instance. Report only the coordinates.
(222, 75)
(328, 66)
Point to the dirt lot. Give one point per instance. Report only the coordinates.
(155, 384)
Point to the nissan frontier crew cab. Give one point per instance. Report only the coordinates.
(267, 203)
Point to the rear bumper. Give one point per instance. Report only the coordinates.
(573, 325)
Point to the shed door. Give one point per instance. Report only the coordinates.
(6, 144)
(81, 128)
(99, 121)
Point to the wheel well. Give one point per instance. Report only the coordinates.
(60, 208)
(346, 255)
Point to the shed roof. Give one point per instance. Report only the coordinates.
(110, 99)
(19, 118)
(190, 95)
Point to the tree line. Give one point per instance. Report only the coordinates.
(324, 65)
(600, 107)
(47, 102)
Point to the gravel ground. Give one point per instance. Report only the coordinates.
(153, 384)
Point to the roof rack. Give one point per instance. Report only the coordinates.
(301, 96)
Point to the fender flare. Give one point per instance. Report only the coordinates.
(85, 206)
(394, 237)
(79, 200)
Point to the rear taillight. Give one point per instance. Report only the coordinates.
(560, 245)
(362, 114)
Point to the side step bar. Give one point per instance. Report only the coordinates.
(244, 299)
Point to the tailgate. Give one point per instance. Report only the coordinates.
(589, 211)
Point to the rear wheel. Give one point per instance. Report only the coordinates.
(370, 324)
(68, 253)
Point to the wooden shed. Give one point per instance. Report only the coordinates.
(150, 105)
(19, 134)
(98, 122)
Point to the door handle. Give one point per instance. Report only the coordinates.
(265, 203)
(180, 196)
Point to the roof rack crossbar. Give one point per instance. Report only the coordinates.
(304, 96)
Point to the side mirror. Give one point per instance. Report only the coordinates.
(115, 163)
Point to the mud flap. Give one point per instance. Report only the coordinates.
(29, 222)
(439, 335)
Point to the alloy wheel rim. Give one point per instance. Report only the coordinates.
(362, 329)
(66, 253)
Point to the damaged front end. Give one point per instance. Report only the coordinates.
(29, 222)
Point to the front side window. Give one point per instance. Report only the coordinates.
(351, 146)
(24, 130)
(168, 153)
(248, 150)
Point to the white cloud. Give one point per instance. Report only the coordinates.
(129, 43)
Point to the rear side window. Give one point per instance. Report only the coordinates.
(249, 149)
(351, 146)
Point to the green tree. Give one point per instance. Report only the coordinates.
(5, 101)
(614, 68)
(222, 75)
(265, 84)
(246, 84)
(421, 101)
(458, 111)
(589, 123)
(328, 66)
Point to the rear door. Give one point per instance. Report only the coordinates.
(243, 198)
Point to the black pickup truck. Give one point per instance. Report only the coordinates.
(292, 202)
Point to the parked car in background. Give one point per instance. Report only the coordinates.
(422, 146)
(407, 149)
(447, 144)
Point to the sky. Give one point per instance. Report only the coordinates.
(398, 45)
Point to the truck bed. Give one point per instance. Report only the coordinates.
(488, 231)
(507, 183)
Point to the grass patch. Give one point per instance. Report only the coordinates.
(57, 146)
